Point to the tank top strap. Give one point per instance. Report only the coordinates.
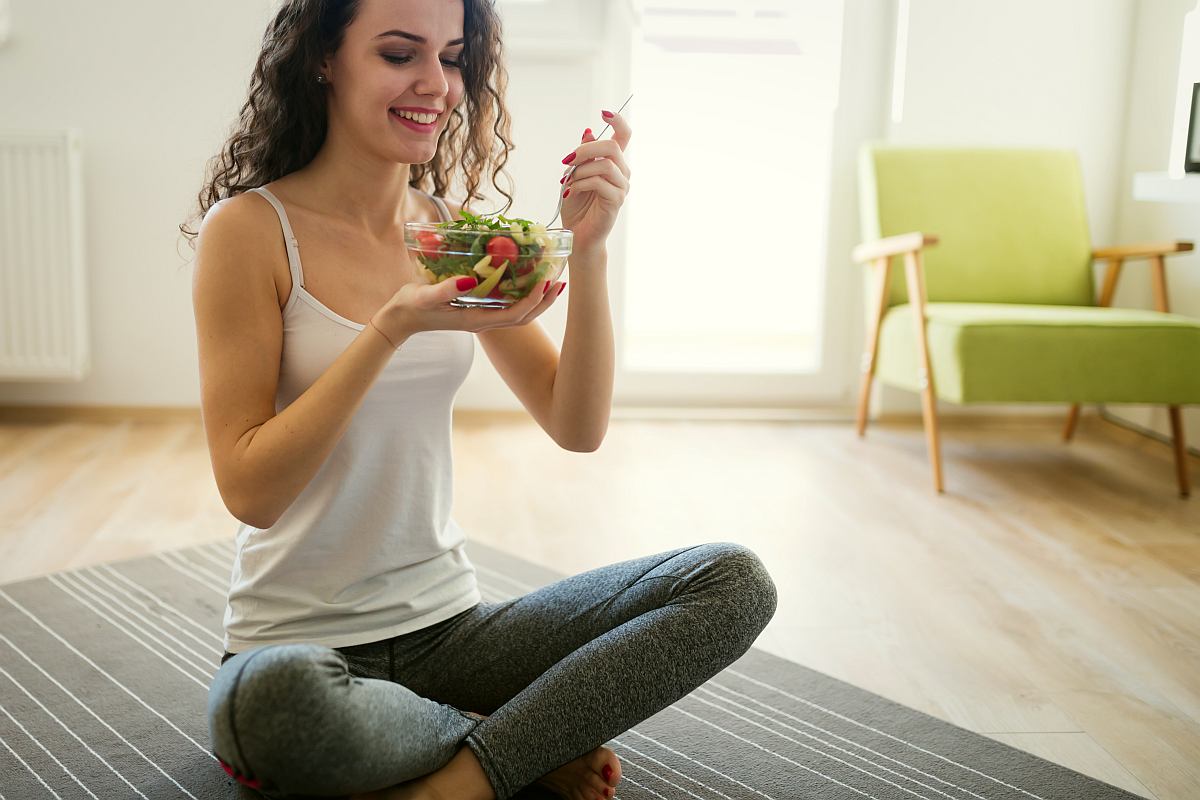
(442, 208)
(289, 238)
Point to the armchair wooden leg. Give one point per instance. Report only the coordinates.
(932, 440)
(1181, 465)
(916, 297)
(864, 399)
(881, 268)
(1072, 419)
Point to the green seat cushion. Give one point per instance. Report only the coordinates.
(996, 352)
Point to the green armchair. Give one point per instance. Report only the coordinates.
(1002, 309)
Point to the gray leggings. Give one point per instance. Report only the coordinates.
(561, 670)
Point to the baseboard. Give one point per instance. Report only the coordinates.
(1121, 422)
(37, 414)
(829, 414)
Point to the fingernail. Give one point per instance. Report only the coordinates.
(567, 192)
(466, 283)
(546, 287)
(607, 114)
(563, 179)
(607, 772)
(586, 133)
(560, 291)
(569, 159)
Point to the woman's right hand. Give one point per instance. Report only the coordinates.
(420, 307)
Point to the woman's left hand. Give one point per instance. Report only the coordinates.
(597, 187)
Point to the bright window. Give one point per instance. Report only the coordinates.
(727, 224)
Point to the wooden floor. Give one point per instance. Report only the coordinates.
(1051, 599)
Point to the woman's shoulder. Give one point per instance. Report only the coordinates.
(442, 205)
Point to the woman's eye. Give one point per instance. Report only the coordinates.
(406, 59)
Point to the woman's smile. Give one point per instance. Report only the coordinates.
(414, 124)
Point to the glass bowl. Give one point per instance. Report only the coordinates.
(508, 261)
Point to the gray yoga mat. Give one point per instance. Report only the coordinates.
(104, 673)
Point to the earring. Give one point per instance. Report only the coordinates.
(322, 79)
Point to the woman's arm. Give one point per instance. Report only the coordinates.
(263, 460)
(583, 383)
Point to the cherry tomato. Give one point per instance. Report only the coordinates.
(501, 249)
(431, 244)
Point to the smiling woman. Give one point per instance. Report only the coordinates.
(356, 636)
(285, 118)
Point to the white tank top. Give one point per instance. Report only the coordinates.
(368, 550)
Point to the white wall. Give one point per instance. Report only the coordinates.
(152, 90)
(1165, 65)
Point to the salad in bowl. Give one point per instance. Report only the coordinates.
(509, 256)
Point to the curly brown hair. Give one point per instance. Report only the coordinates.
(283, 123)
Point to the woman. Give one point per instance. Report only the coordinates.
(360, 659)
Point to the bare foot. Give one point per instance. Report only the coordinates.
(580, 779)
(583, 778)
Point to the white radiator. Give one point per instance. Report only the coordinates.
(43, 288)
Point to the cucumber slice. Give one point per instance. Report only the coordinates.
(485, 288)
(483, 267)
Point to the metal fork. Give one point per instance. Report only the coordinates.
(571, 169)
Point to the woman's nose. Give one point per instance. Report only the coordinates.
(433, 80)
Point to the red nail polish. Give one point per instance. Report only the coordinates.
(546, 287)
(560, 291)
(563, 179)
(569, 159)
(567, 192)
(607, 772)
(466, 283)
(587, 133)
(607, 114)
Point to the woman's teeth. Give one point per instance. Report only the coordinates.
(424, 119)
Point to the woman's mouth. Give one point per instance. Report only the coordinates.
(420, 127)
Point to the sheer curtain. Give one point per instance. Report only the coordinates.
(734, 118)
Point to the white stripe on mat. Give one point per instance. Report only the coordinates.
(204, 629)
(806, 746)
(644, 786)
(219, 561)
(103, 672)
(44, 750)
(31, 770)
(685, 756)
(141, 624)
(84, 705)
(832, 713)
(208, 572)
(63, 725)
(664, 765)
(57, 582)
(830, 733)
(778, 755)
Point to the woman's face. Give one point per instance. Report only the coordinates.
(398, 55)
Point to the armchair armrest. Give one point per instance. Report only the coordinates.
(892, 246)
(1158, 273)
(1142, 250)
